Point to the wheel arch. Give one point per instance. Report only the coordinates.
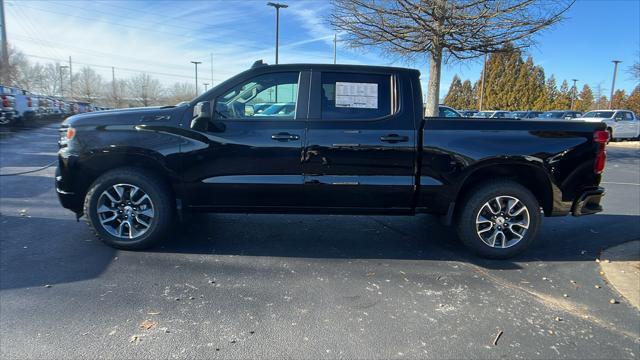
(532, 177)
(92, 167)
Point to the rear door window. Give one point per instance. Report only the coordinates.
(353, 96)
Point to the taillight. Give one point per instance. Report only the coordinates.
(5, 101)
(601, 137)
(29, 103)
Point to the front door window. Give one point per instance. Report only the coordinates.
(268, 96)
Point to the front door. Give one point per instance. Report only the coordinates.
(251, 155)
(361, 144)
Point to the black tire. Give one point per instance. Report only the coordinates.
(163, 206)
(475, 203)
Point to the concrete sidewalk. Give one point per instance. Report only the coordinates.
(621, 267)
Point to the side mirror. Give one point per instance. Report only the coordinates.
(201, 116)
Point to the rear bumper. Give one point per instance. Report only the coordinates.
(589, 202)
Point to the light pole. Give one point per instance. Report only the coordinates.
(60, 69)
(196, 64)
(335, 46)
(574, 93)
(613, 84)
(277, 6)
(205, 86)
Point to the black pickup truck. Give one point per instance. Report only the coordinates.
(329, 139)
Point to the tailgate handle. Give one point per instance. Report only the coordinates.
(394, 138)
(284, 137)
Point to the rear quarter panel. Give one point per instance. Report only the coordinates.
(454, 149)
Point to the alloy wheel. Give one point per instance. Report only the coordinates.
(502, 222)
(125, 211)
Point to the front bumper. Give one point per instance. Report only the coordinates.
(589, 202)
(67, 194)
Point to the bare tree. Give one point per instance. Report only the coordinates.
(634, 70)
(87, 84)
(115, 93)
(458, 29)
(45, 79)
(145, 90)
(179, 92)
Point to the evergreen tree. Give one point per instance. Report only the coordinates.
(618, 100)
(524, 90)
(468, 96)
(601, 103)
(585, 99)
(551, 92)
(476, 95)
(454, 96)
(502, 76)
(633, 101)
(542, 97)
(563, 98)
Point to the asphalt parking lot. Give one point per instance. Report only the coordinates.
(246, 286)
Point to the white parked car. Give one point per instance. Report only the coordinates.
(621, 124)
(492, 114)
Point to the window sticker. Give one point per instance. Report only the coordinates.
(357, 95)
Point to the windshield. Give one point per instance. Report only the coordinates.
(483, 114)
(551, 115)
(517, 114)
(598, 114)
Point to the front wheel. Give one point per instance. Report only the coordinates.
(129, 209)
(499, 219)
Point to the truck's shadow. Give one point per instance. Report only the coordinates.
(65, 252)
(69, 252)
(403, 238)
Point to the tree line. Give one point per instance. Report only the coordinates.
(513, 83)
(85, 84)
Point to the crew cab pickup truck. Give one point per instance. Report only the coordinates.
(356, 143)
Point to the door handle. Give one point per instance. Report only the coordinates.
(284, 137)
(394, 138)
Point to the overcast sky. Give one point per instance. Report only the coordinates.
(162, 37)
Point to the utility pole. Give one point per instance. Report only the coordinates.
(484, 72)
(205, 86)
(196, 64)
(113, 86)
(335, 46)
(60, 67)
(277, 6)
(5, 48)
(70, 77)
(613, 84)
(574, 93)
(211, 69)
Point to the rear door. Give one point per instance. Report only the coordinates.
(628, 125)
(361, 142)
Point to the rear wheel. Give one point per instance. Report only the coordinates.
(499, 219)
(128, 209)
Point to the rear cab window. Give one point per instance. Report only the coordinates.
(356, 96)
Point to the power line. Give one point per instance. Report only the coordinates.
(136, 18)
(91, 52)
(27, 29)
(118, 68)
(94, 20)
(110, 4)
